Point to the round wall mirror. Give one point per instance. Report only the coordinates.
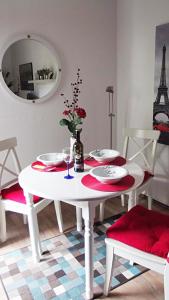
(30, 69)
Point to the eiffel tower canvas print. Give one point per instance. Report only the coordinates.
(161, 80)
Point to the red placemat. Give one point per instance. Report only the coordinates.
(92, 183)
(39, 166)
(118, 161)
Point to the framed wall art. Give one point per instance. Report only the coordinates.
(161, 83)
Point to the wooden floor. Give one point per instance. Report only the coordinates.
(148, 286)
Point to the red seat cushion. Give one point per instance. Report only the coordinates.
(143, 229)
(15, 193)
(147, 175)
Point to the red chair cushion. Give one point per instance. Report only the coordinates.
(144, 229)
(147, 175)
(15, 193)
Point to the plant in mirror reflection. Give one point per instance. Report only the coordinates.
(73, 114)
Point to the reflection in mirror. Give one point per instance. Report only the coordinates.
(30, 69)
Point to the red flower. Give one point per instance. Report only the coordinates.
(81, 112)
(73, 114)
(66, 112)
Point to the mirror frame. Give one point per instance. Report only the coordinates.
(45, 43)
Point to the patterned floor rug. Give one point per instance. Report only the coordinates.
(61, 274)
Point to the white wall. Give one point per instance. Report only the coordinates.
(136, 22)
(83, 33)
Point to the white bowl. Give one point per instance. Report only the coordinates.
(108, 174)
(51, 159)
(104, 155)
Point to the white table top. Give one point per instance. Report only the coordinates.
(53, 185)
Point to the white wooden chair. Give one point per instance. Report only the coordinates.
(145, 141)
(140, 235)
(11, 194)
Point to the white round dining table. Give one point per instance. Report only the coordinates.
(53, 185)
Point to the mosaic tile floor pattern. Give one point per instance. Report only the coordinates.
(60, 275)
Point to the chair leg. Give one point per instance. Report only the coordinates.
(59, 215)
(3, 235)
(149, 202)
(101, 211)
(34, 234)
(109, 268)
(39, 243)
(131, 200)
(136, 198)
(122, 200)
(166, 285)
(79, 219)
(25, 219)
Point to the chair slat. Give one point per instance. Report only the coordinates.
(8, 143)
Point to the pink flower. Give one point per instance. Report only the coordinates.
(66, 112)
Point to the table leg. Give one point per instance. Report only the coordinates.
(88, 215)
(79, 218)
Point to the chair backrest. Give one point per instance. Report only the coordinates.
(8, 167)
(145, 142)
